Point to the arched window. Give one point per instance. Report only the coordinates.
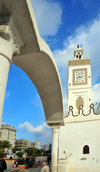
(86, 149)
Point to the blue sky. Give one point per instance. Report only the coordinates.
(62, 24)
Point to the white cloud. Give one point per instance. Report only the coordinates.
(41, 131)
(87, 35)
(7, 96)
(48, 16)
(84, 3)
(36, 101)
(96, 93)
(65, 102)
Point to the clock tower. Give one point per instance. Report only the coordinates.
(79, 82)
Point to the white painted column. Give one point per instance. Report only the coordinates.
(4, 69)
(7, 48)
(54, 149)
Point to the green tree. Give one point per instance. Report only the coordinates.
(33, 151)
(5, 144)
(36, 152)
(48, 152)
(1, 153)
(43, 152)
(15, 149)
(29, 151)
(20, 154)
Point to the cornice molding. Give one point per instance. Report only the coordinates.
(9, 33)
(10, 38)
(5, 32)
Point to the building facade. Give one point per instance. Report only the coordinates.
(79, 143)
(24, 144)
(47, 146)
(37, 145)
(8, 133)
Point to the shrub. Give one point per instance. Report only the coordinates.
(1, 154)
(21, 161)
(20, 154)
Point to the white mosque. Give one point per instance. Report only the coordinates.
(79, 139)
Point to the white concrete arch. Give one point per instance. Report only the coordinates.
(20, 43)
(41, 70)
(35, 57)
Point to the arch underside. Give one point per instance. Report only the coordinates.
(41, 71)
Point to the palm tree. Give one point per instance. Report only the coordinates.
(5, 144)
(29, 151)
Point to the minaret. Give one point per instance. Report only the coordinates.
(79, 82)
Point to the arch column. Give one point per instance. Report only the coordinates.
(7, 48)
(54, 154)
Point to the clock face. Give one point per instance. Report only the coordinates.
(79, 76)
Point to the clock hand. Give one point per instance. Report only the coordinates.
(79, 77)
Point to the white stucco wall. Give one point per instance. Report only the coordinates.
(78, 132)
